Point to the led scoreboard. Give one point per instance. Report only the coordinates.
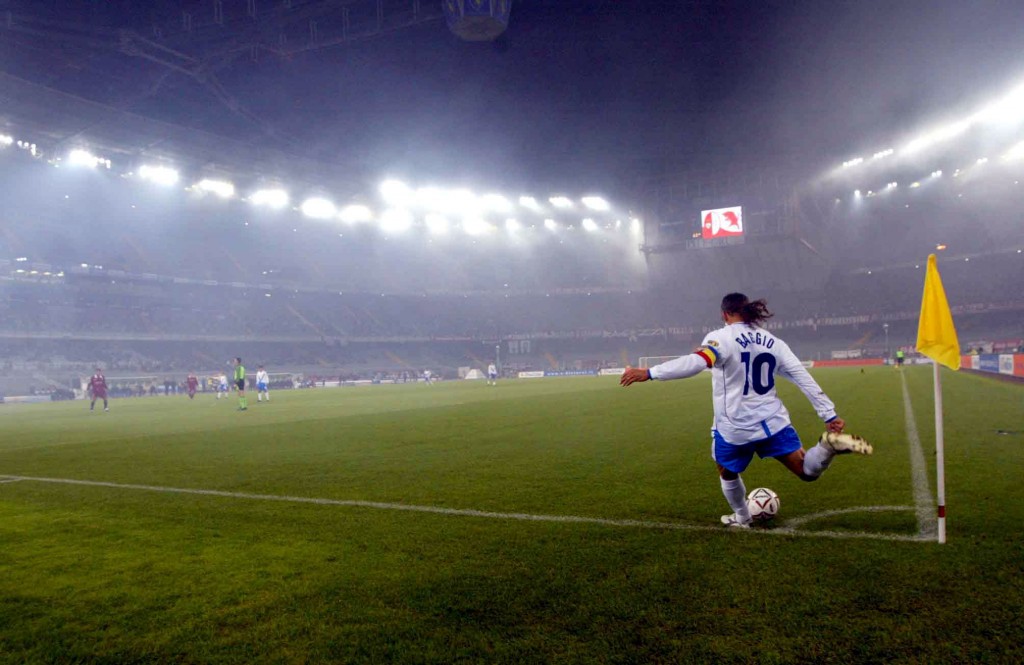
(721, 223)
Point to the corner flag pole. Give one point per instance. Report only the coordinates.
(940, 455)
(936, 339)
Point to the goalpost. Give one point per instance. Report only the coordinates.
(646, 362)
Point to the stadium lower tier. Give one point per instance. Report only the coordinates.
(43, 364)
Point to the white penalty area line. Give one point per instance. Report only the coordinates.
(927, 522)
(788, 529)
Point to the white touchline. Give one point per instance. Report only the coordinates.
(926, 520)
(469, 512)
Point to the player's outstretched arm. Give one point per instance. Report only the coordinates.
(679, 368)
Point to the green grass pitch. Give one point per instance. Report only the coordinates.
(93, 573)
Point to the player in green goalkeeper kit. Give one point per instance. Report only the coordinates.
(240, 384)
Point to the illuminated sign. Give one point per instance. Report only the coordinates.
(721, 223)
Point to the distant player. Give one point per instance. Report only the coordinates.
(899, 358)
(749, 416)
(240, 384)
(262, 384)
(98, 390)
(192, 382)
(427, 376)
(492, 375)
(222, 385)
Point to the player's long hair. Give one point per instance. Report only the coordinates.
(753, 313)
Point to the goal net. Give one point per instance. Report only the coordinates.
(646, 362)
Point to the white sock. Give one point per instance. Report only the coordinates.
(816, 460)
(736, 494)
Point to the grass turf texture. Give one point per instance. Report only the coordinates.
(115, 575)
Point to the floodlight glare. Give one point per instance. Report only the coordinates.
(6, 140)
(436, 224)
(530, 203)
(550, 225)
(272, 198)
(1016, 152)
(589, 225)
(937, 136)
(318, 208)
(354, 213)
(475, 226)
(561, 201)
(495, 203)
(79, 157)
(431, 198)
(512, 225)
(595, 203)
(161, 175)
(463, 203)
(396, 193)
(634, 225)
(221, 188)
(395, 220)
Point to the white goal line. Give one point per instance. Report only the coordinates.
(786, 529)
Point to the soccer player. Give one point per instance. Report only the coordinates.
(193, 384)
(426, 377)
(98, 390)
(222, 385)
(749, 416)
(492, 375)
(240, 384)
(900, 357)
(262, 384)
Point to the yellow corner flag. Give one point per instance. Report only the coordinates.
(936, 336)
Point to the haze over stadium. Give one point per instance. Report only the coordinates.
(362, 193)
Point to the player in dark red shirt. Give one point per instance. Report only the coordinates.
(98, 389)
(193, 384)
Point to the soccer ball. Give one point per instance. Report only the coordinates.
(763, 504)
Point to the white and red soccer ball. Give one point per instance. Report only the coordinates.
(763, 504)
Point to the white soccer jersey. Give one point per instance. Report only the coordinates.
(491, 369)
(223, 378)
(745, 360)
(261, 376)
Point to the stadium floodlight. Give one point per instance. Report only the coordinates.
(436, 224)
(982, 160)
(856, 193)
(937, 174)
(589, 225)
(595, 203)
(512, 225)
(396, 193)
(79, 157)
(475, 226)
(6, 140)
(561, 201)
(550, 225)
(221, 188)
(529, 203)
(915, 185)
(30, 147)
(21, 259)
(495, 203)
(852, 162)
(318, 208)
(883, 153)
(352, 214)
(272, 198)
(395, 220)
(161, 175)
